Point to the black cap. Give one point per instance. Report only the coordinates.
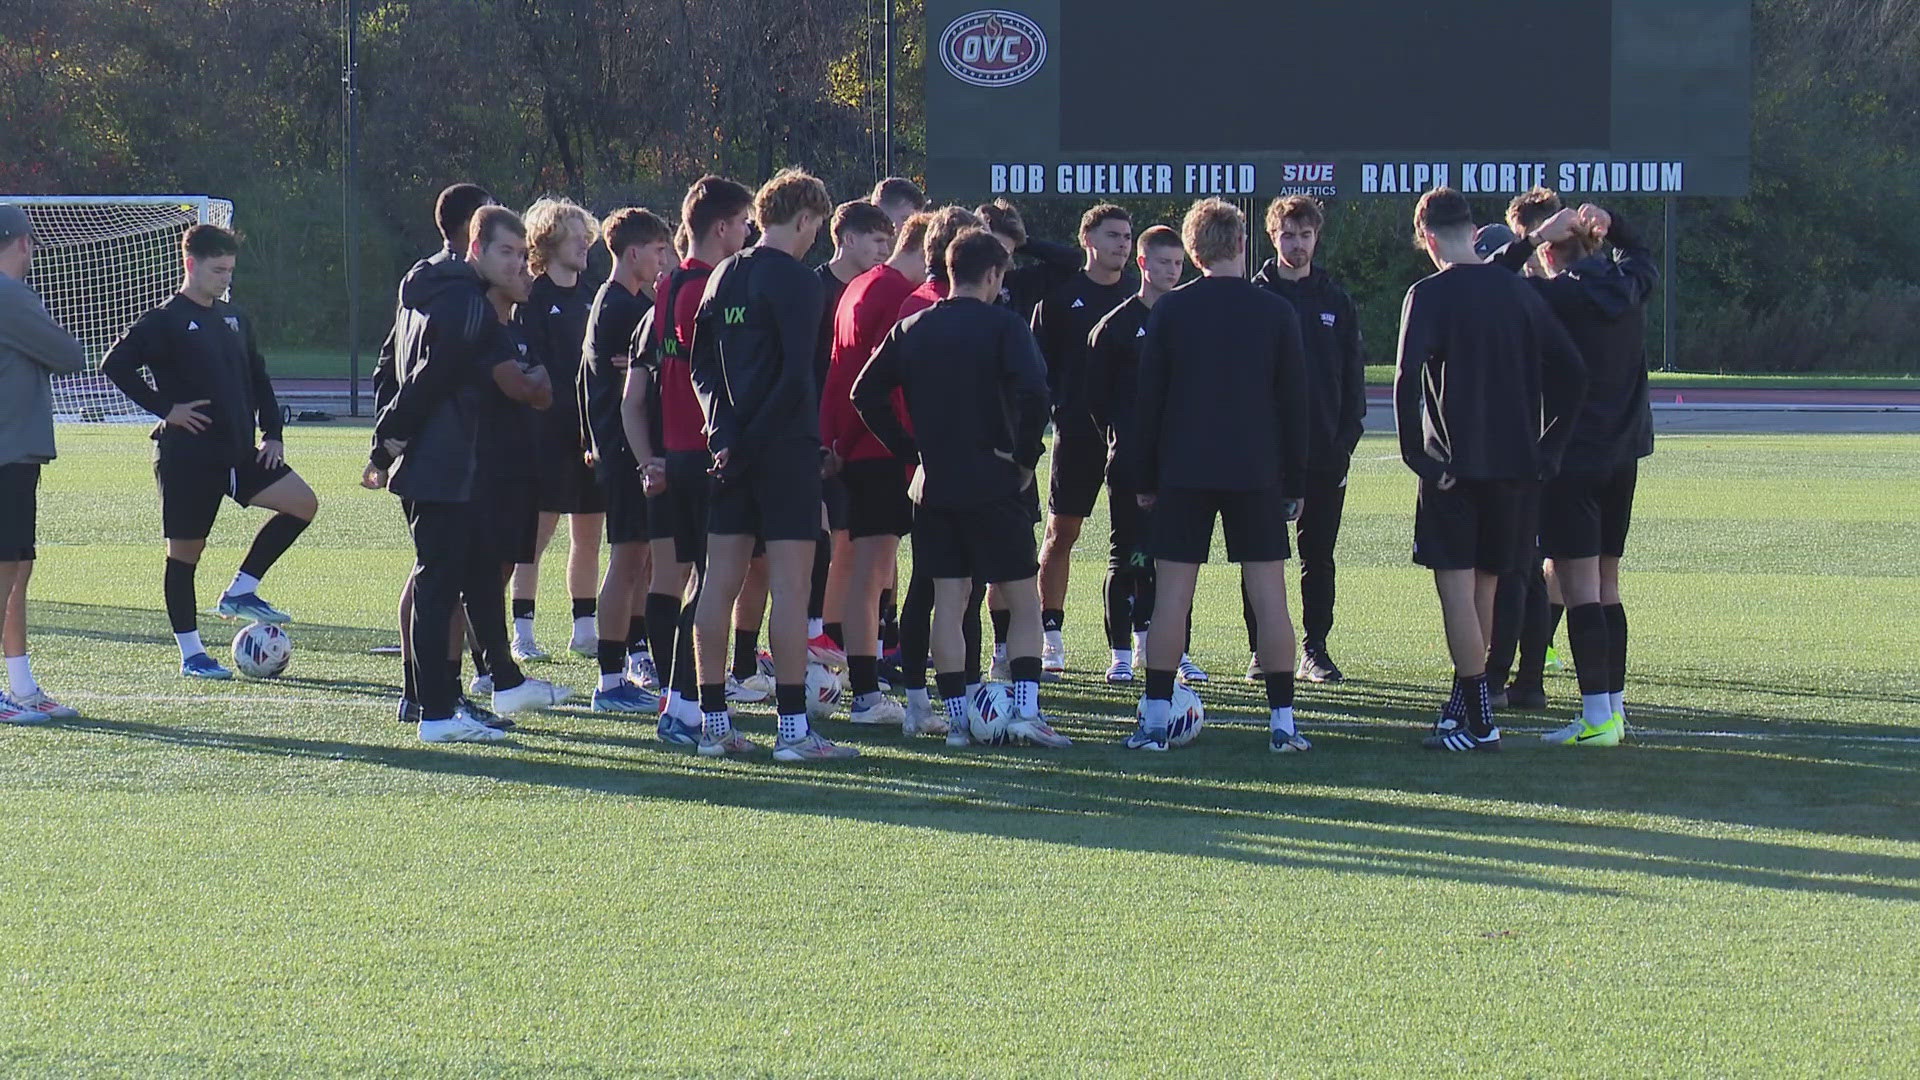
(13, 222)
(1492, 238)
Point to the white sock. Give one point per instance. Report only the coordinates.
(867, 701)
(243, 583)
(919, 699)
(999, 652)
(1156, 713)
(583, 627)
(1596, 708)
(1055, 641)
(20, 677)
(1281, 720)
(956, 709)
(816, 627)
(1617, 702)
(716, 725)
(190, 644)
(1026, 700)
(613, 681)
(523, 629)
(1140, 643)
(1123, 656)
(793, 728)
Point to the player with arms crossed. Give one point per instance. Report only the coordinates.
(1484, 394)
(975, 392)
(1222, 433)
(210, 389)
(33, 348)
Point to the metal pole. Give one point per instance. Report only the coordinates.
(887, 112)
(1669, 286)
(349, 206)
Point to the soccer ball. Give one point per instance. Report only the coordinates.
(262, 651)
(989, 711)
(823, 692)
(763, 662)
(1186, 718)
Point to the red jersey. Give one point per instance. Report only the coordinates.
(683, 425)
(928, 294)
(867, 311)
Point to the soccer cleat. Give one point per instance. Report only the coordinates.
(1554, 662)
(39, 702)
(458, 728)
(891, 673)
(625, 699)
(477, 711)
(202, 666)
(641, 672)
(958, 735)
(1580, 733)
(532, 694)
(1053, 659)
(408, 712)
(751, 690)
(923, 720)
(675, 731)
(1120, 673)
(481, 686)
(733, 743)
(1461, 739)
(1255, 673)
(250, 607)
(1001, 670)
(1148, 738)
(1282, 741)
(1036, 730)
(822, 650)
(1523, 698)
(1317, 667)
(811, 747)
(1191, 673)
(884, 711)
(587, 647)
(529, 651)
(12, 712)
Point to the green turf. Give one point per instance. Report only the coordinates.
(274, 878)
(1382, 375)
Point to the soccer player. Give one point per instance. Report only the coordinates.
(1221, 416)
(1587, 507)
(899, 198)
(210, 389)
(753, 363)
(33, 348)
(1062, 324)
(878, 511)
(1486, 386)
(1336, 415)
(451, 342)
(1049, 265)
(554, 321)
(975, 391)
(1113, 376)
(663, 414)
(640, 244)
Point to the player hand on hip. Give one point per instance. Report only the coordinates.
(272, 453)
(188, 415)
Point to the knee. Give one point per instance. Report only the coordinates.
(186, 551)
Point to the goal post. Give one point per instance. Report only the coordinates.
(99, 263)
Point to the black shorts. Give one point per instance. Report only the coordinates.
(774, 497)
(877, 503)
(992, 542)
(627, 508)
(1585, 515)
(1485, 525)
(506, 518)
(190, 492)
(833, 492)
(568, 486)
(1079, 469)
(1254, 523)
(679, 514)
(19, 511)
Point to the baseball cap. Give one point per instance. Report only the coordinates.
(13, 222)
(1492, 238)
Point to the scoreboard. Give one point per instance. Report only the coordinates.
(1255, 98)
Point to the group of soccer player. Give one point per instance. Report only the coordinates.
(755, 439)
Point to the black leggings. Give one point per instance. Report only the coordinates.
(916, 629)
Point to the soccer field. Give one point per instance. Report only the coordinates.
(276, 878)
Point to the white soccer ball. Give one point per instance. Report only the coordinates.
(763, 662)
(989, 711)
(262, 651)
(1186, 718)
(823, 692)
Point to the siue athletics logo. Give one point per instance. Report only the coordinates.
(993, 48)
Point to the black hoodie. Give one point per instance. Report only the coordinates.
(446, 340)
(1336, 370)
(754, 345)
(386, 369)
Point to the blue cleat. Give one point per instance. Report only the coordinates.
(677, 732)
(625, 698)
(249, 606)
(202, 666)
(1148, 738)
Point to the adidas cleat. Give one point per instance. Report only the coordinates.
(202, 666)
(250, 607)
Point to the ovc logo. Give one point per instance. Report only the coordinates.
(993, 48)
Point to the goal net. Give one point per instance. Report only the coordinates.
(99, 263)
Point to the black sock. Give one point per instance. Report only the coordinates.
(889, 622)
(950, 684)
(177, 586)
(523, 609)
(1587, 635)
(585, 608)
(1479, 703)
(863, 673)
(663, 621)
(271, 542)
(1554, 612)
(1024, 669)
(822, 563)
(713, 697)
(613, 657)
(480, 662)
(637, 634)
(790, 699)
(1617, 648)
(1052, 619)
(1002, 623)
(746, 653)
(686, 680)
(837, 633)
(970, 632)
(1280, 690)
(1160, 684)
(1456, 706)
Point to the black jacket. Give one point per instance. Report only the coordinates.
(754, 346)
(386, 368)
(1336, 369)
(611, 325)
(1047, 267)
(196, 353)
(553, 323)
(1113, 377)
(1222, 393)
(1488, 381)
(446, 341)
(976, 393)
(1062, 324)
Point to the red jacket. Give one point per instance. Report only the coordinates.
(928, 294)
(868, 309)
(683, 424)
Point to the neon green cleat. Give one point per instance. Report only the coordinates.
(1580, 733)
(1553, 659)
